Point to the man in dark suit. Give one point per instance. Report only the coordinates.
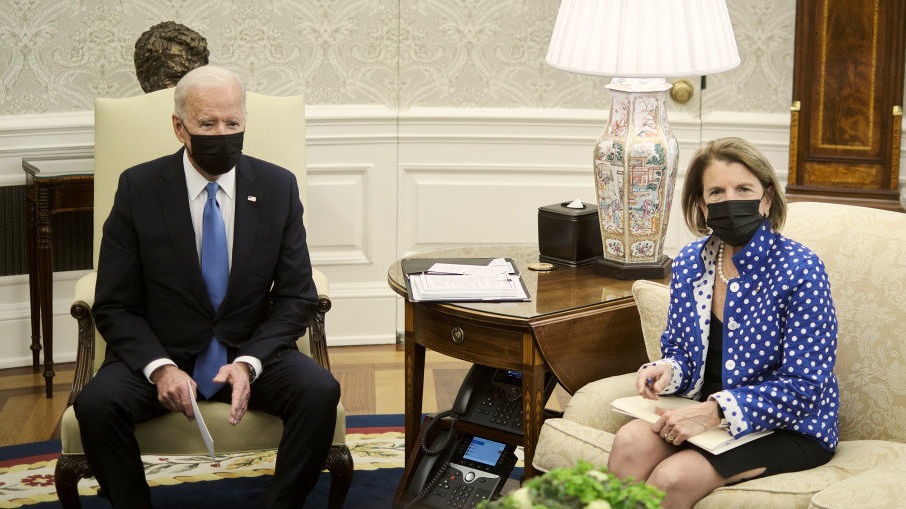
(166, 318)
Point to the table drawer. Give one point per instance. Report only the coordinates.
(468, 340)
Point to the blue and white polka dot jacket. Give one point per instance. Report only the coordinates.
(780, 336)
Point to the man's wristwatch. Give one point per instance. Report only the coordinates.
(252, 373)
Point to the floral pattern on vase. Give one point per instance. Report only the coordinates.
(635, 165)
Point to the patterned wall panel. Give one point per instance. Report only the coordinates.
(58, 56)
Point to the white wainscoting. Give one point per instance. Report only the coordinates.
(382, 185)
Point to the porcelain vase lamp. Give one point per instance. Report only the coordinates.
(635, 164)
(639, 43)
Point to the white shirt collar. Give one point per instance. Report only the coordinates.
(195, 183)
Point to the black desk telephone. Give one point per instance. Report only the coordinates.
(464, 470)
(457, 469)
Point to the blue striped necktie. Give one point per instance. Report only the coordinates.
(215, 270)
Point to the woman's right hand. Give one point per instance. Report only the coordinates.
(651, 380)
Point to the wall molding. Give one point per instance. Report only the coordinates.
(332, 247)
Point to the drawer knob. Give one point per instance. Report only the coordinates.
(458, 335)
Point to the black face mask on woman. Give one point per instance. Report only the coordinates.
(734, 221)
(217, 153)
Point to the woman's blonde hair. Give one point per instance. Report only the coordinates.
(730, 150)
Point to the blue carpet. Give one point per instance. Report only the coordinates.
(13, 452)
(370, 488)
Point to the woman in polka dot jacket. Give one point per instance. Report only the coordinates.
(751, 334)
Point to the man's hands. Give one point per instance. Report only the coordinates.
(237, 375)
(675, 426)
(173, 389)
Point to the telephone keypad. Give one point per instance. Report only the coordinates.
(456, 490)
(498, 409)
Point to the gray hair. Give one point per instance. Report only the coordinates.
(201, 77)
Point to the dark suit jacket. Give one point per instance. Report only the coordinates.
(151, 301)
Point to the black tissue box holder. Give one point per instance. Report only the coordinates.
(568, 236)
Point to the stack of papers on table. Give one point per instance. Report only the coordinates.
(467, 279)
(713, 440)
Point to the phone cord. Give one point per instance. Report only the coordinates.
(422, 442)
(427, 489)
(432, 420)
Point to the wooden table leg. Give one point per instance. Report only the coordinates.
(415, 385)
(533, 376)
(44, 256)
(31, 233)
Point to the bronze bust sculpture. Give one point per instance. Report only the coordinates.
(166, 52)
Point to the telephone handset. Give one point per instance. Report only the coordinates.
(469, 470)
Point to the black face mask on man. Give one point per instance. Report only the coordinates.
(217, 153)
(734, 221)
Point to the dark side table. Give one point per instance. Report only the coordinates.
(53, 186)
(578, 325)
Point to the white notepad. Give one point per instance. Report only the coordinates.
(714, 440)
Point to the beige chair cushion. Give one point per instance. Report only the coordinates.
(565, 442)
(590, 405)
(175, 435)
(880, 487)
(797, 489)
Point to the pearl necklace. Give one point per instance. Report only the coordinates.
(720, 264)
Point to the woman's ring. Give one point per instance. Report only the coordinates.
(670, 438)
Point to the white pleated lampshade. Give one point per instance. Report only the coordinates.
(643, 38)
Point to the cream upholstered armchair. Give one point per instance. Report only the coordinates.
(864, 251)
(137, 129)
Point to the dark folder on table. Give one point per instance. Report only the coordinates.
(416, 271)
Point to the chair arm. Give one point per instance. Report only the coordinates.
(317, 337)
(590, 405)
(81, 311)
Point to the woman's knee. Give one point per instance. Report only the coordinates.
(630, 443)
(632, 435)
(666, 477)
(686, 475)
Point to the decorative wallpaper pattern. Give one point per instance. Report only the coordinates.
(58, 56)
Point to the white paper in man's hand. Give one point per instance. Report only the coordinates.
(202, 428)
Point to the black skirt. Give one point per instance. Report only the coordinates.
(780, 452)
